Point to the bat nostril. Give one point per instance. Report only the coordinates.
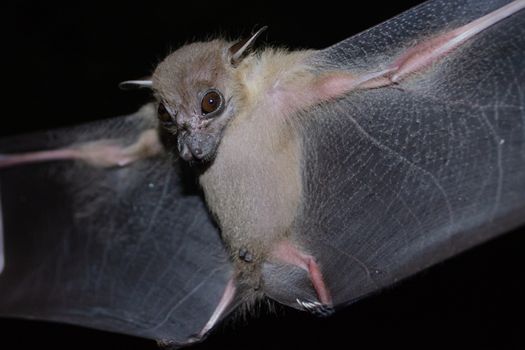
(185, 152)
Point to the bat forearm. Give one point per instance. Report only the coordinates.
(415, 60)
(109, 154)
(100, 153)
(429, 52)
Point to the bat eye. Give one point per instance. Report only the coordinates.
(164, 116)
(211, 102)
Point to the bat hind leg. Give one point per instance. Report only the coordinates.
(288, 253)
(224, 303)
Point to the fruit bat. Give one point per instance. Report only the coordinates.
(322, 176)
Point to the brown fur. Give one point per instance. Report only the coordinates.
(253, 185)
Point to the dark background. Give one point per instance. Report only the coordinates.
(64, 63)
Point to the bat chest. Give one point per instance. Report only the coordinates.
(253, 189)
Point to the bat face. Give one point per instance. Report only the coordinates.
(194, 88)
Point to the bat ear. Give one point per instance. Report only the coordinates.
(238, 49)
(135, 84)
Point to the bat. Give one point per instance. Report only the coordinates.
(406, 167)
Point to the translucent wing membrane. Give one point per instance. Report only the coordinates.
(131, 250)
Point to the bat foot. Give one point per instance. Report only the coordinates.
(224, 303)
(194, 339)
(169, 344)
(288, 253)
(316, 308)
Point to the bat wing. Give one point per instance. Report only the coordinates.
(129, 249)
(401, 177)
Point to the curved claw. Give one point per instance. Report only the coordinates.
(316, 308)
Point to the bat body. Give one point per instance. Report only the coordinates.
(330, 173)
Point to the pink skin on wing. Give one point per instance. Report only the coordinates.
(101, 153)
(415, 59)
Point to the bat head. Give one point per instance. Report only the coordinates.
(195, 87)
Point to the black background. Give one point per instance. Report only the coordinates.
(64, 63)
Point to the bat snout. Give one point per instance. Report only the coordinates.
(189, 153)
(195, 148)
